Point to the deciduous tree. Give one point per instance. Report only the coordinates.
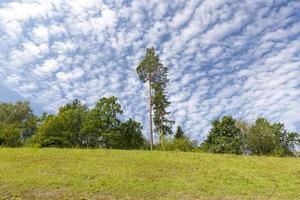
(17, 123)
(224, 137)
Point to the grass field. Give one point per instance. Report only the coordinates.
(114, 174)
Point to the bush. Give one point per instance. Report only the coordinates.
(10, 135)
(33, 141)
(55, 142)
(178, 144)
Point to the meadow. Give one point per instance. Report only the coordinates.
(50, 173)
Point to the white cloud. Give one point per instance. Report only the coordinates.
(28, 52)
(46, 68)
(24, 11)
(71, 75)
(40, 34)
(63, 47)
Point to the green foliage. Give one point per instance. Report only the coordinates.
(131, 136)
(102, 123)
(185, 144)
(150, 68)
(17, 123)
(179, 133)
(77, 126)
(224, 137)
(180, 142)
(53, 141)
(65, 128)
(163, 126)
(34, 141)
(10, 135)
(53, 127)
(261, 138)
(18, 112)
(243, 126)
(264, 138)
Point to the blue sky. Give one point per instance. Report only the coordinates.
(237, 57)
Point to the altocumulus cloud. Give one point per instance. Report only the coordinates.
(224, 56)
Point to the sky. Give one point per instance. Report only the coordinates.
(225, 57)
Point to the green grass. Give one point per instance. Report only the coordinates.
(115, 174)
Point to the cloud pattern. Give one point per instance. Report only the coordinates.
(224, 56)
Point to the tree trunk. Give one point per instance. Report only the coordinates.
(88, 142)
(162, 137)
(150, 116)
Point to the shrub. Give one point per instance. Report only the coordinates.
(178, 144)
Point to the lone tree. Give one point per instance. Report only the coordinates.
(151, 71)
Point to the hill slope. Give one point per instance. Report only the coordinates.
(110, 174)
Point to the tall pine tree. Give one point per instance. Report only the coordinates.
(152, 71)
(163, 126)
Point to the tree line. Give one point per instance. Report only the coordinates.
(229, 135)
(74, 126)
(77, 126)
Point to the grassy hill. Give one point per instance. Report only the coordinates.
(114, 174)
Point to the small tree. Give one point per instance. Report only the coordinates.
(179, 133)
(130, 135)
(180, 142)
(261, 138)
(224, 137)
(52, 133)
(102, 124)
(64, 129)
(10, 135)
(17, 123)
(244, 127)
(73, 116)
(265, 138)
